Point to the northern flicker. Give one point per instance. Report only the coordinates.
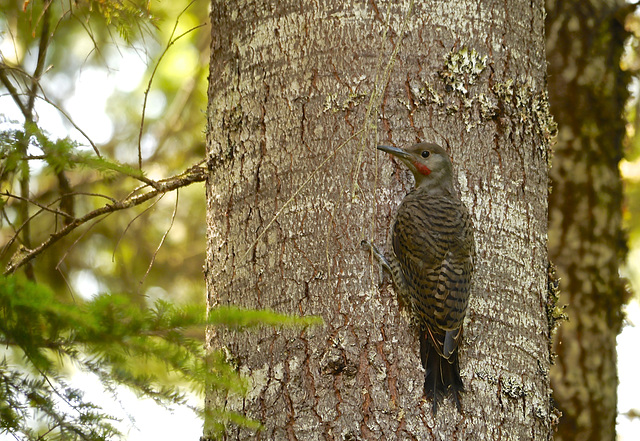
(431, 264)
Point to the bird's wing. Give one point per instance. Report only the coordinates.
(436, 257)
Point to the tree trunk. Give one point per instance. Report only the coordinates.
(300, 94)
(588, 91)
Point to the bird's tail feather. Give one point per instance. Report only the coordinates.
(442, 375)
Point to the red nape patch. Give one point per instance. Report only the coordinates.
(423, 169)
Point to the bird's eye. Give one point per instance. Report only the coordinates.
(425, 153)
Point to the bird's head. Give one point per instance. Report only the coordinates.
(429, 163)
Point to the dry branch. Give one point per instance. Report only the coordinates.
(192, 175)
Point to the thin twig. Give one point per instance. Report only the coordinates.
(164, 236)
(44, 207)
(113, 255)
(75, 193)
(85, 193)
(13, 227)
(89, 31)
(24, 224)
(153, 73)
(75, 242)
(66, 281)
(195, 174)
(23, 206)
(43, 45)
(15, 95)
(71, 121)
(170, 122)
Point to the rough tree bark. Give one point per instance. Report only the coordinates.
(300, 94)
(588, 91)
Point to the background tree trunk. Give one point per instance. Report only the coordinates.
(588, 91)
(300, 94)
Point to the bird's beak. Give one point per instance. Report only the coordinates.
(395, 151)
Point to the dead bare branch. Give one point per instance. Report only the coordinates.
(192, 175)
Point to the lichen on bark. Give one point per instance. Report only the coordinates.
(299, 97)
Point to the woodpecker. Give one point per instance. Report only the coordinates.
(431, 265)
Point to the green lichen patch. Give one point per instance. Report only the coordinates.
(462, 69)
(513, 387)
(555, 313)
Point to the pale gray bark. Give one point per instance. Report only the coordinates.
(300, 95)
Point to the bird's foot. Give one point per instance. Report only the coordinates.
(377, 254)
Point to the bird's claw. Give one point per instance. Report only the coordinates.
(376, 253)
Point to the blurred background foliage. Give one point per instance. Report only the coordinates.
(118, 44)
(630, 165)
(76, 79)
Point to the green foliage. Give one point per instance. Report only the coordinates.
(130, 18)
(126, 16)
(11, 156)
(115, 339)
(61, 154)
